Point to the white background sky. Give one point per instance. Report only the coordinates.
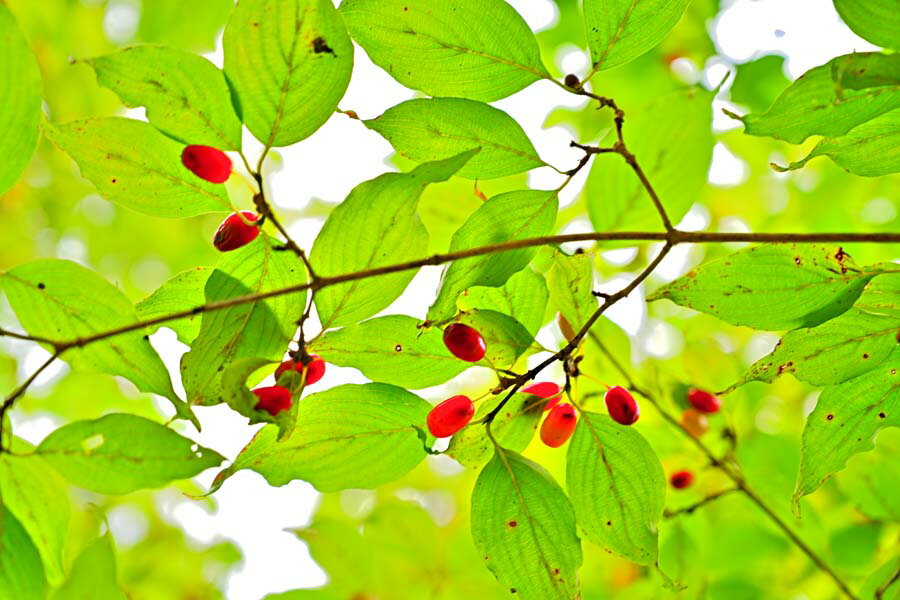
(250, 512)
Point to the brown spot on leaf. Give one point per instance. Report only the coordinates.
(829, 417)
(881, 415)
(865, 356)
(513, 524)
(41, 286)
(319, 45)
(398, 348)
(798, 261)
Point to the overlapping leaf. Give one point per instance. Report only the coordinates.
(182, 292)
(773, 287)
(617, 487)
(93, 574)
(289, 62)
(351, 436)
(832, 99)
(185, 95)
(133, 164)
(618, 31)
(503, 218)
(121, 453)
(523, 525)
(437, 128)
(513, 428)
(254, 329)
(448, 49)
(523, 297)
(21, 570)
(61, 300)
(20, 110)
(571, 283)
(376, 225)
(876, 21)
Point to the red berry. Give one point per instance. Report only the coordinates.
(273, 399)
(464, 342)
(704, 401)
(681, 479)
(314, 370)
(559, 425)
(207, 163)
(622, 406)
(234, 233)
(694, 422)
(450, 416)
(546, 390)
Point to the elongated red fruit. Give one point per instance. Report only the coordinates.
(681, 479)
(207, 163)
(704, 401)
(464, 342)
(558, 426)
(546, 390)
(694, 422)
(622, 406)
(234, 233)
(314, 370)
(450, 416)
(273, 399)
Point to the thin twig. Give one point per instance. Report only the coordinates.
(27, 338)
(262, 205)
(879, 593)
(689, 509)
(10, 400)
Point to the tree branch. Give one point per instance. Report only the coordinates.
(668, 514)
(28, 338)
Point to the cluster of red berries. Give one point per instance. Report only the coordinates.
(694, 421)
(274, 399)
(213, 165)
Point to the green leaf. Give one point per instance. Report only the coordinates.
(289, 62)
(38, 497)
(513, 428)
(182, 292)
(871, 149)
(617, 487)
(190, 25)
(376, 225)
(844, 347)
(133, 164)
(21, 570)
(872, 480)
(506, 339)
(20, 111)
(523, 297)
(504, 218)
(523, 525)
(845, 422)
(571, 284)
(351, 436)
(773, 287)
(391, 349)
(673, 141)
(438, 128)
(93, 574)
(186, 96)
(876, 21)
(121, 453)
(448, 49)
(257, 329)
(61, 300)
(618, 31)
(832, 99)
(757, 83)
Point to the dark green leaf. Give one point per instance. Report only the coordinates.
(376, 225)
(523, 297)
(503, 218)
(845, 421)
(513, 428)
(448, 49)
(871, 149)
(186, 96)
(258, 329)
(21, 570)
(758, 82)
(773, 287)
(617, 487)
(523, 525)
(93, 574)
(182, 292)
(121, 453)
(289, 62)
(133, 164)
(618, 31)
(439, 128)
(20, 110)
(672, 140)
(876, 21)
(351, 436)
(62, 300)
(391, 349)
(832, 99)
(840, 349)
